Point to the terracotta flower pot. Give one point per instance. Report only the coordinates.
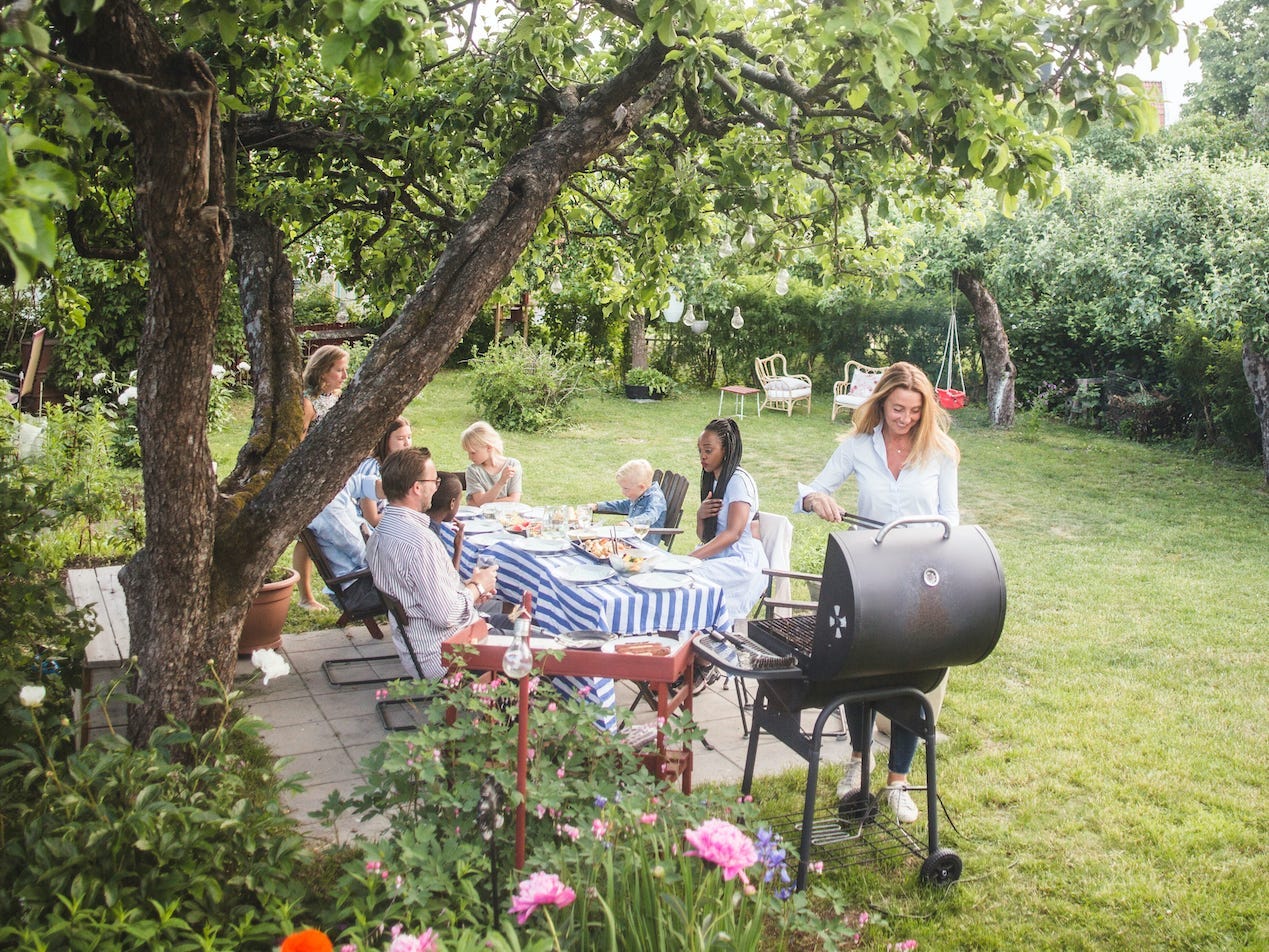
(262, 627)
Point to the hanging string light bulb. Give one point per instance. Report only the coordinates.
(726, 249)
(749, 242)
(556, 285)
(782, 282)
(737, 321)
(674, 310)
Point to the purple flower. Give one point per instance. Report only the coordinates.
(601, 801)
(540, 889)
(724, 845)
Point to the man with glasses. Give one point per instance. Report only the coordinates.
(410, 563)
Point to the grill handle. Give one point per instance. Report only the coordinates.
(912, 520)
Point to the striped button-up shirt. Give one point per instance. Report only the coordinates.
(410, 563)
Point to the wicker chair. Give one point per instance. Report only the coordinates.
(781, 390)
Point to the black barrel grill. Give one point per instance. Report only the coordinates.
(897, 607)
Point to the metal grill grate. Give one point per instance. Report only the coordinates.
(798, 632)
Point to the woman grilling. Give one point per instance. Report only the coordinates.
(734, 559)
(905, 464)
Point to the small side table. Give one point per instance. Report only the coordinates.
(740, 394)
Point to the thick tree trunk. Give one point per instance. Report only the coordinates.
(638, 339)
(994, 343)
(188, 589)
(1256, 370)
(175, 125)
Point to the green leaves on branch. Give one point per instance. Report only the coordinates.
(31, 190)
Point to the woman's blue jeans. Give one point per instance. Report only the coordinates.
(903, 743)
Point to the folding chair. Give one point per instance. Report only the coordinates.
(397, 611)
(340, 585)
(674, 488)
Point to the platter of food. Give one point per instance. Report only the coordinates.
(602, 549)
(644, 646)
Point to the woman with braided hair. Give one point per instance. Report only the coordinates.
(733, 558)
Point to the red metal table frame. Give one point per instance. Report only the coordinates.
(475, 651)
(740, 392)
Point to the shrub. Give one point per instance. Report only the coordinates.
(44, 637)
(654, 380)
(518, 386)
(595, 817)
(180, 844)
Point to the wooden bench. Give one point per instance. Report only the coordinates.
(106, 656)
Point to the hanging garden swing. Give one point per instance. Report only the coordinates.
(950, 399)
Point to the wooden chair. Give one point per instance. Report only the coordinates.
(855, 387)
(28, 380)
(674, 488)
(781, 390)
(339, 585)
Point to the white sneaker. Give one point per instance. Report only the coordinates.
(851, 778)
(895, 796)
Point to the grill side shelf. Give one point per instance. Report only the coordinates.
(742, 658)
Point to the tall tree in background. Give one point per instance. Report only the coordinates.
(661, 117)
(1235, 59)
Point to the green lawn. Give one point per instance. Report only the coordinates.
(1106, 766)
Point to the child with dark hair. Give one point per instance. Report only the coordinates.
(445, 502)
(397, 436)
(729, 502)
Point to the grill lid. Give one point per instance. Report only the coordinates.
(926, 595)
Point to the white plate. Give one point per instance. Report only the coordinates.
(468, 512)
(671, 644)
(473, 526)
(669, 562)
(661, 581)
(540, 545)
(492, 509)
(579, 573)
(593, 532)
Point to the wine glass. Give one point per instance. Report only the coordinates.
(640, 530)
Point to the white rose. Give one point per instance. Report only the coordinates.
(243, 366)
(270, 663)
(32, 695)
(127, 396)
(218, 371)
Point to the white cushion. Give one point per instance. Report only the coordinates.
(787, 388)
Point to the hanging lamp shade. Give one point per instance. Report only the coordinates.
(674, 310)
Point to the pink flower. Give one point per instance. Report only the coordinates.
(551, 706)
(863, 918)
(720, 843)
(599, 828)
(560, 773)
(404, 942)
(348, 948)
(540, 889)
(648, 818)
(571, 832)
(540, 809)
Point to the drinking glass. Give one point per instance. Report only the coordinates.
(640, 530)
(583, 517)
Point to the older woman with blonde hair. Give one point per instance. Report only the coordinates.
(905, 464)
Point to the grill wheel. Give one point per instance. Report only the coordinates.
(941, 868)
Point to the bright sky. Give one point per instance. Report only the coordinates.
(1175, 69)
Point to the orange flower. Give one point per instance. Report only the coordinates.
(307, 940)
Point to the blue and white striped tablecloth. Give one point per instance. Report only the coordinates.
(613, 606)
